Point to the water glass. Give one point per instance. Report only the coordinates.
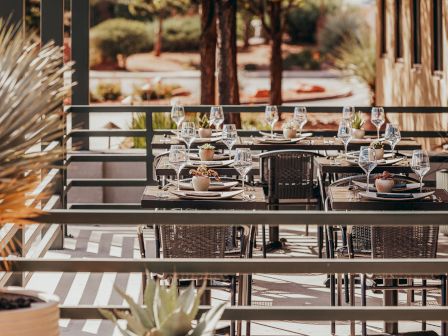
(367, 161)
(420, 164)
(348, 112)
(345, 133)
(178, 115)
(229, 136)
(243, 164)
(300, 117)
(188, 133)
(377, 118)
(271, 116)
(178, 158)
(216, 116)
(392, 135)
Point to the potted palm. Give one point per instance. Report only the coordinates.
(201, 177)
(206, 152)
(357, 123)
(378, 146)
(204, 127)
(289, 130)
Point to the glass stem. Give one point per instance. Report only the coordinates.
(345, 149)
(368, 178)
(178, 180)
(242, 183)
(421, 183)
(378, 132)
(272, 131)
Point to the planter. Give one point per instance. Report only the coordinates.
(442, 183)
(384, 186)
(289, 133)
(358, 133)
(379, 153)
(205, 132)
(41, 319)
(206, 154)
(200, 183)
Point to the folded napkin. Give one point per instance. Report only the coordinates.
(395, 195)
(400, 185)
(203, 193)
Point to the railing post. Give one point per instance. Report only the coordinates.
(13, 10)
(149, 155)
(17, 244)
(80, 55)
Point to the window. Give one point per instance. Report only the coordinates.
(383, 26)
(398, 31)
(437, 31)
(416, 33)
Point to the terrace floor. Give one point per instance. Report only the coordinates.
(268, 289)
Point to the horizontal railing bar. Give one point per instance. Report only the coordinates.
(99, 157)
(106, 133)
(105, 206)
(232, 266)
(220, 217)
(106, 182)
(292, 313)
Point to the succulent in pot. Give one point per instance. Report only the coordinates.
(201, 177)
(357, 123)
(378, 146)
(206, 152)
(384, 182)
(289, 130)
(204, 127)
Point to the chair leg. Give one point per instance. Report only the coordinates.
(363, 303)
(346, 288)
(249, 301)
(264, 240)
(352, 302)
(232, 302)
(333, 300)
(424, 301)
(307, 230)
(320, 240)
(444, 302)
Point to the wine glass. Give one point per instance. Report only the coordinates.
(392, 136)
(243, 164)
(345, 133)
(178, 158)
(377, 118)
(348, 112)
(271, 116)
(300, 117)
(188, 133)
(420, 164)
(229, 136)
(178, 115)
(367, 161)
(216, 116)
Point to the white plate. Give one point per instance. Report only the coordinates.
(355, 154)
(278, 140)
(216, 157)
(373, 196)
(209, 164)
(201, 140)
(409, 186)
(379, 162)
(185, 184)
(280, 135)
(214, 134)
(204, 195)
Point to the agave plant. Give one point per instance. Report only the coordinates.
(166, 313)
(32, 90)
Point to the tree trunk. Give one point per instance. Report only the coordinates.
(207, 50)
(227, 66)
(246, 35)
(276, 65)
(158, 37)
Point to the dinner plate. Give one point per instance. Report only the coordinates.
(206, 195)
(185, 184)
(280, 135)
(394, 196)
(278, 140)
(365, 140)
(216, 157)
(202, 140)
(400, 187)
(355, 154)
(209, 164)
(214, 134)
(354, 161)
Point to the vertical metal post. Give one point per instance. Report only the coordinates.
(13, 10)
(80, 55)
(18, 241)
(149, 155)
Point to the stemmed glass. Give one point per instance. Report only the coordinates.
(377, 118)
(392, 135)
(348, 112)
(178, 158)
(271, 116)
(420, 164)
(367, 162)
(300, 117)
(243, 164)
(216, 116)
(229, 136)
(345, 133)
(188, 133)
(178, 115)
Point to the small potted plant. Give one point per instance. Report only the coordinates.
(201, 177)
(357, 123)
(384, 182)
(378, 146)
(289, 130)
(206, 152)
(204, 127)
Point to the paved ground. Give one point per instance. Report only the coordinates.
(269, 289)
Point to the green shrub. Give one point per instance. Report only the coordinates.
(159, 121)
(180, 33)
(304, 60)
(107, 91)
(250, 67)
(301, 23)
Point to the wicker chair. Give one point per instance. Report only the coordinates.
(288, 178)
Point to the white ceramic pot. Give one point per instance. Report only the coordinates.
(41, 319)
(379, 153)
(384, 186)
(200, 183)
(358, 133)
(289, 133)
(206, 154)
(205, 132)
